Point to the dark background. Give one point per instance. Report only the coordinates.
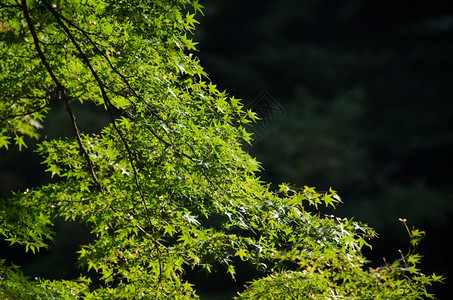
(367, 87)
(367, 90)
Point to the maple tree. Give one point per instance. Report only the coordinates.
(166, 185)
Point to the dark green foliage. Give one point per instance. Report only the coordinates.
(387, 147)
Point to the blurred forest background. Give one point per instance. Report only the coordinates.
(367, 87)
(367, 93)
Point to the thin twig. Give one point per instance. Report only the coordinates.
(9, 6)
(26, 113)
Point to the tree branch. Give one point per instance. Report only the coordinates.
(26, 113)
(60, 90)
(9, 6)
(109, 105)
(87, 34)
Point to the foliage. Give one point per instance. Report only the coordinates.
(166, 186)
(350, 280)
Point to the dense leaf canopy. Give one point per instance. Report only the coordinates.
(166, 186)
